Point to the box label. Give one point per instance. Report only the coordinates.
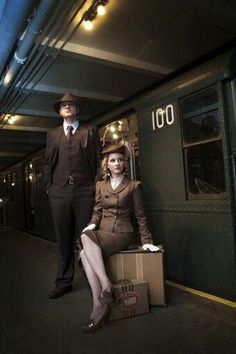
(128, 300)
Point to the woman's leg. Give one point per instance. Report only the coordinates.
(93, 255)
(92, 278)
(98, 309)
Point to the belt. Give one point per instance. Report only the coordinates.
(72, 180)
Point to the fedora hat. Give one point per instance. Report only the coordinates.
(115, 148)
(68, 97)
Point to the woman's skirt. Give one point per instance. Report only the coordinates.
(111, 242)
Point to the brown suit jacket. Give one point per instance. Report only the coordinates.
(114, 209)
(88, 139)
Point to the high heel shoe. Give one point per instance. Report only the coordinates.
(106, 297)
(90, 326)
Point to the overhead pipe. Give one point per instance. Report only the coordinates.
(14, 98)
(12, 19)
(21, 55)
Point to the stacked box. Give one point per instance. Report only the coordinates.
(141, 265)
(130, 299)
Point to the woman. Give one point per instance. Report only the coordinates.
(110, 229)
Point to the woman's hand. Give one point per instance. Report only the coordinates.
(150, 247)
(89, 227)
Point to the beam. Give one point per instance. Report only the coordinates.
(79, 93)
(115, 59)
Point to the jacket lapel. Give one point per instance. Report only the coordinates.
(56, 141)
(82, 135)
(58, 134)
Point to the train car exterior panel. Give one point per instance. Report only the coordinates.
(187, 176)
(199, 250)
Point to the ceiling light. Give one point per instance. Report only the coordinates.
(88, 25)
(11, 120)
(115, 136)
(101, 10)
(7, 79)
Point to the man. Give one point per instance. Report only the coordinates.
(71, 164)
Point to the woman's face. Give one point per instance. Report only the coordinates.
(116, 164)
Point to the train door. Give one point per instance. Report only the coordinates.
(124, 130)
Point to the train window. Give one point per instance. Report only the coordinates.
(2, 186)
(124, 130)
(202, 144)
(205, 169)
(13, 183)
(29, 201)
(200, 118)
(38, 175)
(8, 184)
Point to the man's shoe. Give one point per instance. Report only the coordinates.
(58, 292)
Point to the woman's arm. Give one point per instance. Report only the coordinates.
(97, 210)
(144, 232)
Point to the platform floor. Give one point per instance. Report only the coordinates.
(31, 323)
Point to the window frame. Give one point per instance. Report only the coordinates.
(186, 146)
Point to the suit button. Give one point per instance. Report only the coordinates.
(106, 196)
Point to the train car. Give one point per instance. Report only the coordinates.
(181, 140)
(26, 204)
(186, 131)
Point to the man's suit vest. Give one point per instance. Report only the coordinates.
(72, 161)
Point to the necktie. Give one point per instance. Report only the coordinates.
(69, 132)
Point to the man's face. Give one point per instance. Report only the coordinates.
(68, 110)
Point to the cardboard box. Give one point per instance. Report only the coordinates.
(136, 264)
(130, 299)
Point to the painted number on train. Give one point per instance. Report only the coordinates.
(161, 117)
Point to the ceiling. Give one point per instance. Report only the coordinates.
(45, 52)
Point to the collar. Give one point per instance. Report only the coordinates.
(75, 126)
(107, 185)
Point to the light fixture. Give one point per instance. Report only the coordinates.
(101, 10)
(112, 128)
(88, 25)
(7, 79)
(11, 119)
(115, 136)
(97, 8)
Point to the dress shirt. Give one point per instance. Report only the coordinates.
(75, 126)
